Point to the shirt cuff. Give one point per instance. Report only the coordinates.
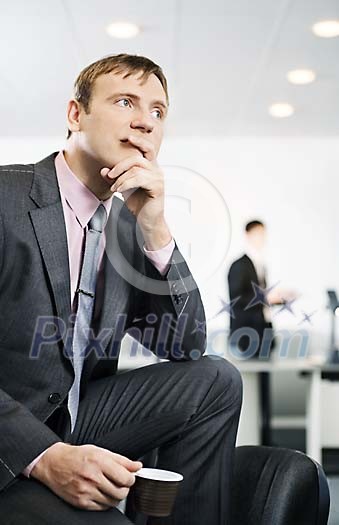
(161, 258)
(27, 471)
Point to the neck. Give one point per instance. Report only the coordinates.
(254, 252)
(87, 170)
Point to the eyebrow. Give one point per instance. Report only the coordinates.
(136, 97)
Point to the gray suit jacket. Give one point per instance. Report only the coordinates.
(35, 307)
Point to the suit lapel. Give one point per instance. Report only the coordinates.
(50, 230)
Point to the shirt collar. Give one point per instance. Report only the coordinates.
(81, 199)
(256, 256)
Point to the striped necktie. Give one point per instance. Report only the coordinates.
(85, 294)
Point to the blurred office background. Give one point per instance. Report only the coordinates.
(245, 139)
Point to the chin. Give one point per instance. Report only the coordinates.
(108, 162)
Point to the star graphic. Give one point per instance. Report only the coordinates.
(227, 307)
(260, 295)
(307, 317)
(200, 326)
(287, 306)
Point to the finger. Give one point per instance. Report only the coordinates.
(117, 474)
(90, 502)
(133, 172)
(105, 171)
(128, 163)
(126, 462)
(105, 502)
(123, 166)
(133, 182)
(139, 181)
(110, 458)
(145, 145)
(115, 489)
(109, 493)
(93, 505)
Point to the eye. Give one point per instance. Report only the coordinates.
(159, 113)
(124, 100)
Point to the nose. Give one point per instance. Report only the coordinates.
(143, 122)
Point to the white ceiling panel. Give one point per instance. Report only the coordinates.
(157, 20)
(226, 62)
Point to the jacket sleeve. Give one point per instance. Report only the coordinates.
(1, 242)
(167, 315)
(23, 436)
(239, 285)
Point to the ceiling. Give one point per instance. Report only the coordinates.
(226, 62)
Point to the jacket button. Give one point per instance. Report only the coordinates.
(54, 398)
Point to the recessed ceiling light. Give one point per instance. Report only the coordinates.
(301, 76)
(326, 28)
(123, 30)
(281, 110)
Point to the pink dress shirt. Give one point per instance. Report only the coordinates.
(79, 205)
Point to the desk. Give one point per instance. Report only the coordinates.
(317, 369)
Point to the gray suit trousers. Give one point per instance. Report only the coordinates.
(188, 410)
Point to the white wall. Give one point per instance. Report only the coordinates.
(291, 184)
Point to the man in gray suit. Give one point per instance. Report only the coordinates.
(79, 268)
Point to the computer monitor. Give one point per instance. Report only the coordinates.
(333, 356)
(333, 300)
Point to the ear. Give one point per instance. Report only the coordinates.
(73, 115)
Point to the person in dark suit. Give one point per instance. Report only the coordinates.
(251, 325)
(251, 330)
(79, 268)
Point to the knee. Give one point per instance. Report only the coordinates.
(221, 379)
(228, 380)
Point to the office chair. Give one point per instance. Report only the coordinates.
(271, 486)
(278, 486)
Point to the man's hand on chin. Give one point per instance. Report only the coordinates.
(141, 182)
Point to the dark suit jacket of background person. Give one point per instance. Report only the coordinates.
(240, 277)
(35, 281)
